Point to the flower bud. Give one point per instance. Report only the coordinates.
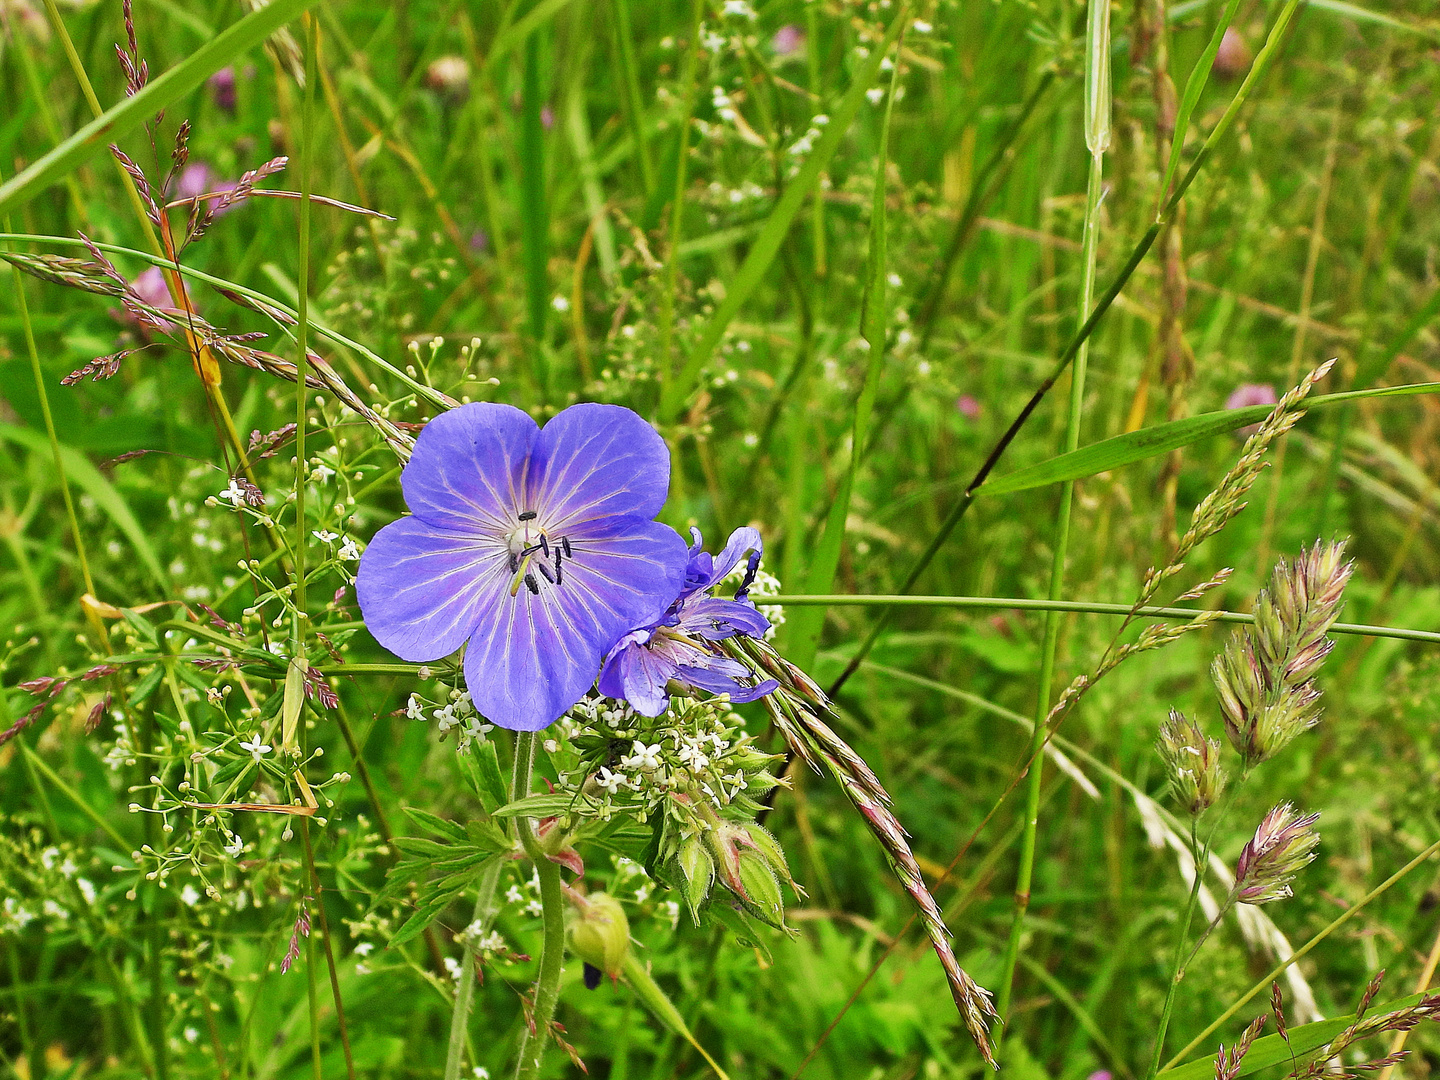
(746, 861)
(1282, 845)
(1192, 763)
(599, 932)
(696, 871)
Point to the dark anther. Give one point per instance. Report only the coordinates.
(528, 515)
(565, 543)
(546, 571)
(544, 545)
(532, 584)
(559, 573)
(514, 562)
(751, 568)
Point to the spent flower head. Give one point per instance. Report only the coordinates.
(1192, 763)
(1282, 845)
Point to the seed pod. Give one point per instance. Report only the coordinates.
(600, 932)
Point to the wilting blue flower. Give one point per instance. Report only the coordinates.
(644, 663)
(536, 546)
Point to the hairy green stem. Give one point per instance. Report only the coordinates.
(552, 952)
(480, 921)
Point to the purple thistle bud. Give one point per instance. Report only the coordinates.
(1282, 845)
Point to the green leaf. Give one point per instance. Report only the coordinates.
(143, 626)
(434, 825)
(121, 119)
(767, 244)
(94, 484)
(422, 848)
(538, 806)
(804, 636)
(146, 686)
(1272, 1050)
(1162, 438)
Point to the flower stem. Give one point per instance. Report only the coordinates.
(484, 915)
(1097, 76)
(552, 901)
(1201, 854)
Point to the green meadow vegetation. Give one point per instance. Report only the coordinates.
(1075, 362)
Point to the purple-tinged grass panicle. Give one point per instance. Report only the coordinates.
(1227, 1065)
(1366, 1027)
(1265, 676)
(1192, 763)
(797, 708)
(1282, 845)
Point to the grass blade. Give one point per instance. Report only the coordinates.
(767, 244)
(119, 120)
(804, 636)
(94, 484)
(1162, 438)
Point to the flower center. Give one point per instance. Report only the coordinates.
(535, 555)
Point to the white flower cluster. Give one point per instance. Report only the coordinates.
(697, 750)
(459, 712)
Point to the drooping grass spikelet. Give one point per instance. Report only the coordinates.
(797, 708)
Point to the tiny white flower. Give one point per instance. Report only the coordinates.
(920, 26)
(87, 890)
(611, 782)
(192, 1034)
(551, 746)
(414, 710)
(365, 948)
(190, 895)
(644, 757)
(560, 304)
(256, 748)
(235, 493)
(320, 472)
(325, 536)
(349, 550)
(875, 94)
(482, 1073)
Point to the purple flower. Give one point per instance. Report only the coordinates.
(1247, 394)
(787, 40)
(967, 406)
(222, 83)
(1250, 394)
(194, 180)
(536, 546)
(644, 664)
